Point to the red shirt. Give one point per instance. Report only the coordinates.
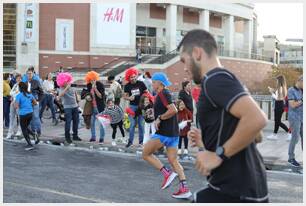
(183, 116)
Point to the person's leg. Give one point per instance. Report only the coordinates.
(51, 106)
(121, 128)
(43, 104)
(102, 133)
(35, 123)
(301, 134)
(177, 167)
(114, 127)
(6, 111)
(180, 142)
(140, 128)
(75, 119)
(13, 122)
(147, 127)
(68, 116)
(186, 142)
(24, 123)
(281, 124)
(93, 124)
(277, 117)
(131, 129)
(295, 131)
(148, 150)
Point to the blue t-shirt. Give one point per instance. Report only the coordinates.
(25, 103)
(295, 113)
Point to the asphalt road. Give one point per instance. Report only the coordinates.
(54, 174)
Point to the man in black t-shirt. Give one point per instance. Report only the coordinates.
(230, 120)
(167, 134)
(132, 92)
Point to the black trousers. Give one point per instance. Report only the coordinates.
(278, 113)
(24, 124)
(114, 126)
(185, 142)
(210, 195)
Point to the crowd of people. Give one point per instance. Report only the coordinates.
(227, 121)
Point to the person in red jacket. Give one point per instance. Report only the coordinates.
(184, 120)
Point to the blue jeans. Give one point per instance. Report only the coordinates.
(140, 122)
(93, 126)
(297, 132)
(35, 122)
(48, 99)
(6, 111)
(72, 115)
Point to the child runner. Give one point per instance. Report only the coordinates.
(147, 110)
(24, 105)
(184, 119)
(116, 114)
(166, 134)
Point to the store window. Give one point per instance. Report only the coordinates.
(146, 39)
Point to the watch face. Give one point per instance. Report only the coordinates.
(219, 150)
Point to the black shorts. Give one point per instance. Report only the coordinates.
(209, 195)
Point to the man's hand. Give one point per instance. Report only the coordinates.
(207, 161)
(132, 98)
(195, 137)
(157, 123)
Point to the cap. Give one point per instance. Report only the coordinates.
(162, 77)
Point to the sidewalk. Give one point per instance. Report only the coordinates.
(274, 152)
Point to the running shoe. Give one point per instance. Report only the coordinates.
(183, 193)
(77, 139)
(114, 143)
(294, 163)
(168, 180)
(272, 137)
(29, 147)
(128, 144)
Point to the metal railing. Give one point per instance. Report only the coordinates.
(244, 55)
(165, 58)
(152, 50)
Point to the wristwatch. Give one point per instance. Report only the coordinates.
(220, 153)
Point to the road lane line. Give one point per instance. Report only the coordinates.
(56, 192)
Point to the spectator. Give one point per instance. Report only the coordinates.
(13, 112)
(116, 114)
(185, 95)
(295, 117)
(147, 111)
(97, 91)
(184, 119)
(148, 82)
(133, 90)
(35, 88)
(115, 89)
(34, 77)
(6, 100)
(48, 100)
(279, 95)
(24, 105)
(68, 96)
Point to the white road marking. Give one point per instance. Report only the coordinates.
(56, 192)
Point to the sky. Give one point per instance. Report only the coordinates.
(285, 20)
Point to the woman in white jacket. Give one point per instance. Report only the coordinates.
(14, 128)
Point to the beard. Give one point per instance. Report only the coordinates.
(196, 72)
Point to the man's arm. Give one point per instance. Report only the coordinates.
(64, 91)
(295, 103)
(251, 121)
(126, 96)
(171, 111)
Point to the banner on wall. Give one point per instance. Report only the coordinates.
(30, 13)
(64, 35)
(113, 24)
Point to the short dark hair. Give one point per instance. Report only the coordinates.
(199, 38)
(6, 76)
(110, 78)
(184, 84)
(31, 68)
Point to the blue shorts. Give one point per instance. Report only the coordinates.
(167, 141)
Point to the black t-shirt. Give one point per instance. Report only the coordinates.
(243, 175)
(168, 127)
(187, 99)
(136, 90)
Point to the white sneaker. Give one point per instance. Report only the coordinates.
(272, 137)
(18, 134)
(185, 151)
(9, 136)
(114, 143)
(289, 137)
(179, 151)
